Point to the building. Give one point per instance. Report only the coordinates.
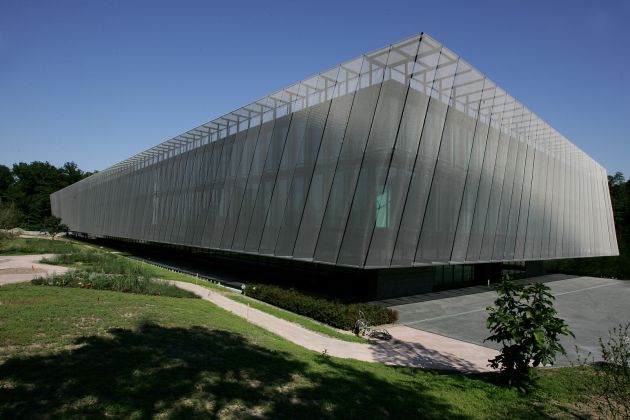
(404, 157)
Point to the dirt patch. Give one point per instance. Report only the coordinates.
(21, 270)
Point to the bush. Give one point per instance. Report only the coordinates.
(106, 271)
(523, 320)
(336, 314)
(114, 282)
(614, 373)
(5, 234)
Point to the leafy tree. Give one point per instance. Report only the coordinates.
(523, 320)
(10, 216)
(6, 179)
(616, 179)
(32, 185)
(53, 226)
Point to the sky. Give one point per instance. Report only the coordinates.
(95, 82)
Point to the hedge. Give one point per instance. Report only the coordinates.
(336, 314)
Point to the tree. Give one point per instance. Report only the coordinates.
(616, 179)
(53, 226)
(6, 180)
(10, 216)
(33, 184)
(523, 320)
(71, 173)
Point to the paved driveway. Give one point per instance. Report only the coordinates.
(19, 268)
(591, 306)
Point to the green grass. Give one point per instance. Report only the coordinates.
(96, 260)
(85, 353)
(27, 246)
(298, 319)
(97, 269)
(92, 258)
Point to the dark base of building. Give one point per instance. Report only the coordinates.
(345, 283)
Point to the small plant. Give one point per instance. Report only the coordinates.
(614, 373)
(523, 320)
(53, 226)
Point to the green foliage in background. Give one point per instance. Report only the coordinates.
(28, 187)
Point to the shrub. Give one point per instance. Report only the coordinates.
(614, 373)
(106, 271)
(523, 320)
(336, 314)
(114, 282)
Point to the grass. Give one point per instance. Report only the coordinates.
(92, 259)
(116, 282)
(85, 353)
(97, 260)
(305, 322)
(27, 246)
(96, 269)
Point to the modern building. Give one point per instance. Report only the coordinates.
(406, 165)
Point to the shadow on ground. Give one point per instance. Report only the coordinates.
(402, 353)
(197, 372)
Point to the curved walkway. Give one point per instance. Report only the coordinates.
(409, 346)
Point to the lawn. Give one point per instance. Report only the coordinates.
(90, 258)
(28, 246)
(68, 352)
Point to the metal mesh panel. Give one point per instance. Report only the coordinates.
(322, 177)
(447, 187)
(404, 156)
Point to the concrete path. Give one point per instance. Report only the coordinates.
(409, 346)
(589, 305)
(20, 268)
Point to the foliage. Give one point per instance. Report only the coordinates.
(305, 322)
(4, 238)
(115, 282)
(29, 185)
(6, 179)
(28, 246)
(614, 373)
(336, 314)
(10, 216)
(107, 271)
(53, 226)
(523, 320)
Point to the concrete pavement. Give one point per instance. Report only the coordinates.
(21, 268)
(589, 305)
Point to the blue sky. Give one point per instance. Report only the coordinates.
(98, 81)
